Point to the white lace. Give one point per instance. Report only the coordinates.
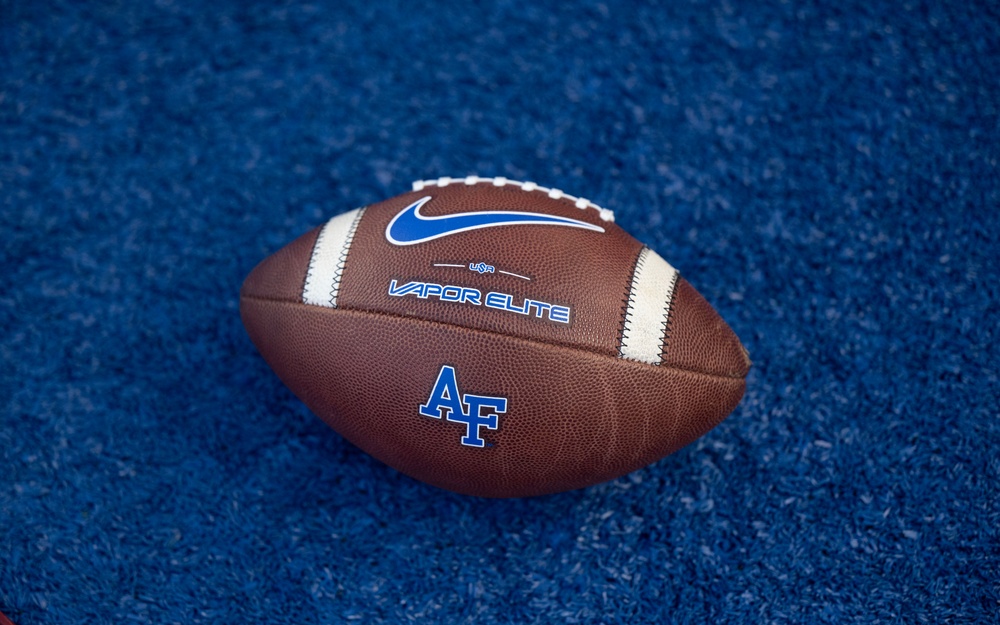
(500, 181)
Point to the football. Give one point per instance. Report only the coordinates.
(494, 338)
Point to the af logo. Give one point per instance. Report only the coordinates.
(475, 411)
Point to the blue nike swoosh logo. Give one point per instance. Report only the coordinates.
(409, 226)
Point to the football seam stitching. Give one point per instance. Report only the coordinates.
(640, 262)
(518, 338)
(668, 317)
(312, 259)
(500, 181)
(338, 271)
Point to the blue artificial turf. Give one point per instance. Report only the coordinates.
(826, 174)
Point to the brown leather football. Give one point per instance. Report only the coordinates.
(494, 338)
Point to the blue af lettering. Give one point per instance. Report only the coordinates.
(475, 411)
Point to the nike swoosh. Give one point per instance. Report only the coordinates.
(409, 226)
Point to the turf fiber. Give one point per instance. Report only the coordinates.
(826, 174)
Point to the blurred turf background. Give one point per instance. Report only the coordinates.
(826, 174)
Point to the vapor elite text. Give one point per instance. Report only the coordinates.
(474, 297)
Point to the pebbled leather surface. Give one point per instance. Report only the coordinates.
(282, 275)
(577, 414)
(699, 340)
(574, 418)
(588, 271)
